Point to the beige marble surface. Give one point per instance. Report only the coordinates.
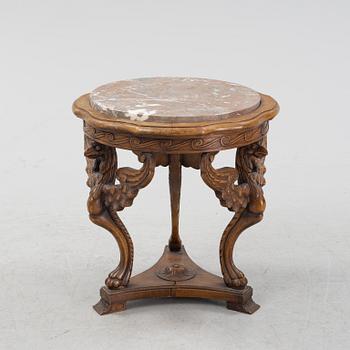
(173, 99)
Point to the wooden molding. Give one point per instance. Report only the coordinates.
(208, 143)
(267, 110)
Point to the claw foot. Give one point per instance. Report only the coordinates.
(115, 280)
(240, 281)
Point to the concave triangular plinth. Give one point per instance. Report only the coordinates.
(176, 275)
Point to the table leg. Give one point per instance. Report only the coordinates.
(106, 198)
(175, 188)
(240, 190)
(175, 274)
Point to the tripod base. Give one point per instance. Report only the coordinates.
(176, 275)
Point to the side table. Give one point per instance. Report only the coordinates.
(175, 122)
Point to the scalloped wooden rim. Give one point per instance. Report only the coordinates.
(267, 110)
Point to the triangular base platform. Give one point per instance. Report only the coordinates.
(176, 275)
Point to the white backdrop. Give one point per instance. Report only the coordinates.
(53, 260)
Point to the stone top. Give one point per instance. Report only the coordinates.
(173, 99)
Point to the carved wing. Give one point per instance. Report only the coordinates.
(223, 181)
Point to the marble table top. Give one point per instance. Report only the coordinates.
(173, 99)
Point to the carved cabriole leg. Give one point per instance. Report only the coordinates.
(240, 190)
(120, 276)
(233, 277)
(106, 198)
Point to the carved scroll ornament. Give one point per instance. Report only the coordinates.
(178, 145)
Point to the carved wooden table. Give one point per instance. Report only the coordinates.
(175, 122)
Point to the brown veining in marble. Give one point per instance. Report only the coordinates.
(174, 99)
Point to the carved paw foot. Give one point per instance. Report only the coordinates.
(113, 283)
(116, 280)
(236, 279)
(239, 282)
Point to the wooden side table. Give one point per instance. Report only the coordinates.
(175, 122)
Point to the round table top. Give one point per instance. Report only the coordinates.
(175, 100)
(174, 108)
